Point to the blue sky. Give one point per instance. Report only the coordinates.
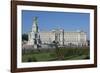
(47, 20)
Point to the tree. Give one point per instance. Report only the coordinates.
(88, 41)
(25, 37)
(58, 51)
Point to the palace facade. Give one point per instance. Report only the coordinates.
(62, 37)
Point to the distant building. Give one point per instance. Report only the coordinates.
(64, 38)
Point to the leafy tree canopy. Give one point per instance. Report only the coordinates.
(25, 37)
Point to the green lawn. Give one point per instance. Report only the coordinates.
(66, 53)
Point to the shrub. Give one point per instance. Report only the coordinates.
(32, 59)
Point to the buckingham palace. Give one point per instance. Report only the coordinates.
(62, 37)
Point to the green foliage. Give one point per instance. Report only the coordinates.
(24, 37)
(76, 53)
(32, 59)
(64, 53)
(37, 57)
